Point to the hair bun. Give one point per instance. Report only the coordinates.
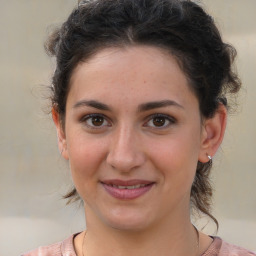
(83, 2)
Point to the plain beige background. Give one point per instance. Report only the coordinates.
(33, 177)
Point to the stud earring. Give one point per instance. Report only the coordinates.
(210, 158)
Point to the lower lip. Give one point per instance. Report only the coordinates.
(127, 194)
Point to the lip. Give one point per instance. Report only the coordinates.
(124, 193)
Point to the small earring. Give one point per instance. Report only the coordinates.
(210, 158)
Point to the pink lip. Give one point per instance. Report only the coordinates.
(127, 194)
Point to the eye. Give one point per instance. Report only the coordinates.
(95, 121)
(160, 121)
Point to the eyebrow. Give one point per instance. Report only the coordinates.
(91, 103)
(143, 107)
(158, 104)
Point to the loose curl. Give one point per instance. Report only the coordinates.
(180, 26)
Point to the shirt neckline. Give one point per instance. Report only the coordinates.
(68, 249)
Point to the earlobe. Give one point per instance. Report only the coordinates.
(212, 134)
(62, 143)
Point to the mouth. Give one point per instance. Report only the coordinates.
(129, 187)
(127, 190)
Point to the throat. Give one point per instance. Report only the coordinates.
(138, 244)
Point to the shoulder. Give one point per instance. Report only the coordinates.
(227, 249)
(222, 248)
(64, 248)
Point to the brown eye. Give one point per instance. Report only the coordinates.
(97, 120)
(159, 121)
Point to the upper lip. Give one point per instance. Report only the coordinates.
(133, 182)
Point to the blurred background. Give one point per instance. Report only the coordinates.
(33, 177)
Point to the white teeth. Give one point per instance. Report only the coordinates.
(129, 187)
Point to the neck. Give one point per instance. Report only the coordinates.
(176, 236)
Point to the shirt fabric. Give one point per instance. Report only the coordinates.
(66, 248)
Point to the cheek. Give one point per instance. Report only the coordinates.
(177, 158)
(85, 158)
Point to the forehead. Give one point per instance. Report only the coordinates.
(143, 71)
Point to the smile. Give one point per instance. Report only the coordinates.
(127, 190)
(129, 187)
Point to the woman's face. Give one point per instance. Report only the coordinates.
(132, 136)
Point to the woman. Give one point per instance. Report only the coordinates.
(139, 100)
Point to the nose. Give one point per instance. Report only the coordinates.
(125, 152)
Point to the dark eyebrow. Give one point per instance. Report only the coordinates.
(91, 103)
(158, 104)
(141, 108)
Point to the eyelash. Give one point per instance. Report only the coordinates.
(86, 118)
(171, 120)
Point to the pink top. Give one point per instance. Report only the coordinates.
(66, 248)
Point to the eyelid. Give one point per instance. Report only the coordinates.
(88, 116)
(170, 119)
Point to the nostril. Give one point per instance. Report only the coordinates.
(125, 161)
(125, 151)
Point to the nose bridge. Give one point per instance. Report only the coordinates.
(125, 151)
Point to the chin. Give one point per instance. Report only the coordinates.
(128, 225)
(128, 222)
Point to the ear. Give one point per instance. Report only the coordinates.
(212, 133)
(62, 142)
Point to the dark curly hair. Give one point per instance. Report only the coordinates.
(180, 26)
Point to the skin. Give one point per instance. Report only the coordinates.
(127, 141)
